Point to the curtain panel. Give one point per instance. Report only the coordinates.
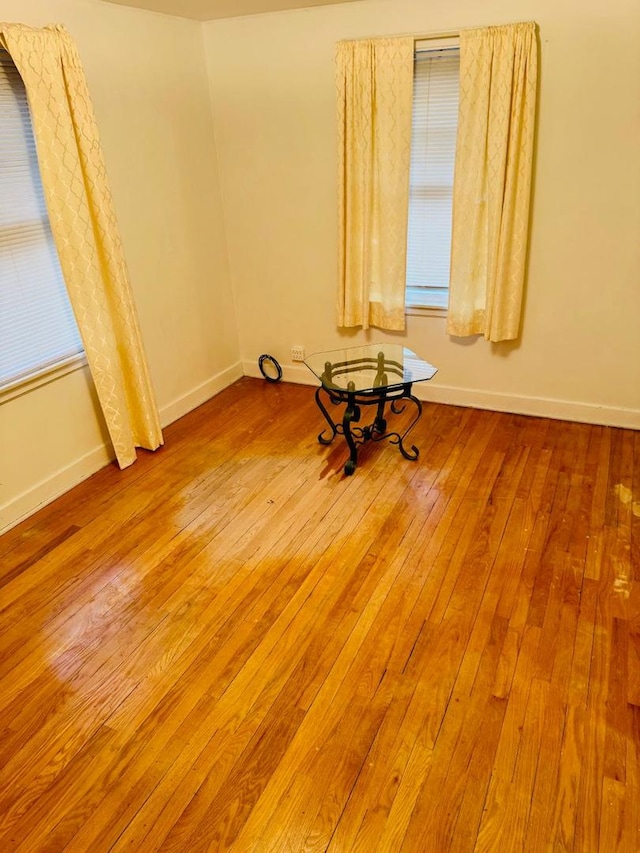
(492, 183)
(374, 111)
(85, 231)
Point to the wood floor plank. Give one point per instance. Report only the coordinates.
(232, 645)
(251, 678)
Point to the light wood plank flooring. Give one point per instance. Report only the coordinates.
(233, 645)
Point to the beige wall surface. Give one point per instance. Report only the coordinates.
(272, 80)
(148, 80)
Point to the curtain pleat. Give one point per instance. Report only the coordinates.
(85, 231)
(374, 110)
(492, 184)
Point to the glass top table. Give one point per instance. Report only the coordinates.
(371, 374)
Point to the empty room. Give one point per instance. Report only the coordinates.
(320, 425)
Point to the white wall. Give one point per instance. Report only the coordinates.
(272, 80)
(149, 85)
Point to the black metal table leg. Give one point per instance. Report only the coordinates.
(396, 438)
(380, 424)
(351, 414)
(396, 396)
(334, 429)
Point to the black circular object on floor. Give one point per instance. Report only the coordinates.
(270, 368)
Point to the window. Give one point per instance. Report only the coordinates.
(433, 147)
(38, 331)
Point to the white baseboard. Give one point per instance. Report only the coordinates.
(544, 407)
(56, 484)
(298, 374)
(47, 490)
(565, 410)
(200, 394)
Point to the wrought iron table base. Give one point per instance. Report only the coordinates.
(355, 436)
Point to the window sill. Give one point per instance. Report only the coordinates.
(42, 377)
(425, 311)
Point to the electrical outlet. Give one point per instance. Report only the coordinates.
(297, 353)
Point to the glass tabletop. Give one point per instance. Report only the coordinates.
(369, 367)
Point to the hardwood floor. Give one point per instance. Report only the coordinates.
(232, 645)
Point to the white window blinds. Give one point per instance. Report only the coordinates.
(433, 147)
(37, 326)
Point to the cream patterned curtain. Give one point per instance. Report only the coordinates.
(375, 96)
(85, 232)
(492, 185)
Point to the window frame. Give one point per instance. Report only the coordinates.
(43, 376)
(60, 365)
(413, 304)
